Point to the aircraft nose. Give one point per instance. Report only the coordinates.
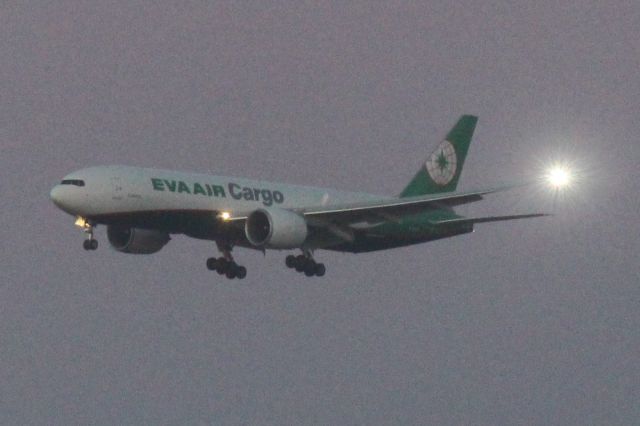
(56, 196)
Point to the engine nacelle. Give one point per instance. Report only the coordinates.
(136, 240)
(275, 228)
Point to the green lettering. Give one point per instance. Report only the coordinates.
(248, 194)
(157, 184)
(218, 191)
(182, 187)
(197, 189)
(267, 197)
(232, 188)
(171, 184)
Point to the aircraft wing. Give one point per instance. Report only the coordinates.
(390, 209)
(467, 220)
(340, 220)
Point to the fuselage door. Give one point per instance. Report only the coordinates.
(116, 187)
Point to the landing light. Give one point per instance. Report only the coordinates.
(81, 222)
(224, 216)
(559, 177)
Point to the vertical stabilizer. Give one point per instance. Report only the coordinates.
(441, 171)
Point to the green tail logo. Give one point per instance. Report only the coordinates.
(442, 169)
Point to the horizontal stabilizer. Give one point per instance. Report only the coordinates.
(470, 220)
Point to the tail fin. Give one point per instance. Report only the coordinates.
(441, 171)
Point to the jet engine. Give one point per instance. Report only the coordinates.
(275, 228)
(136, 240)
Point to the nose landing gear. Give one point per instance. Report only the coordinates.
(90, 243)
(304, 263)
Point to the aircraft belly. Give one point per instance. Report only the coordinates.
(196, 224)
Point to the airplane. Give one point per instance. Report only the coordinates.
(143, 207)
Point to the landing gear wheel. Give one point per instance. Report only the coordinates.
(241, 272)
(310, 268)
(320, 270)
(305, 263)
(90, 244)
(300, 262)
(226, 267)
(212, 263)
(222, 265)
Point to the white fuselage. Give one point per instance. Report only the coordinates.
(108, 190)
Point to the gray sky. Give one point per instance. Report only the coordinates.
(530, 322)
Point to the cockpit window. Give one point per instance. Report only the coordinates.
(76, 182)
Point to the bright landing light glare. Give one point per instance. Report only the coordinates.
(559, 177)
(81, 222)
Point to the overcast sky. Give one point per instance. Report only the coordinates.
(524, 322)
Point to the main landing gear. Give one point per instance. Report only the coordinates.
(225, 265)
(305, 263)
